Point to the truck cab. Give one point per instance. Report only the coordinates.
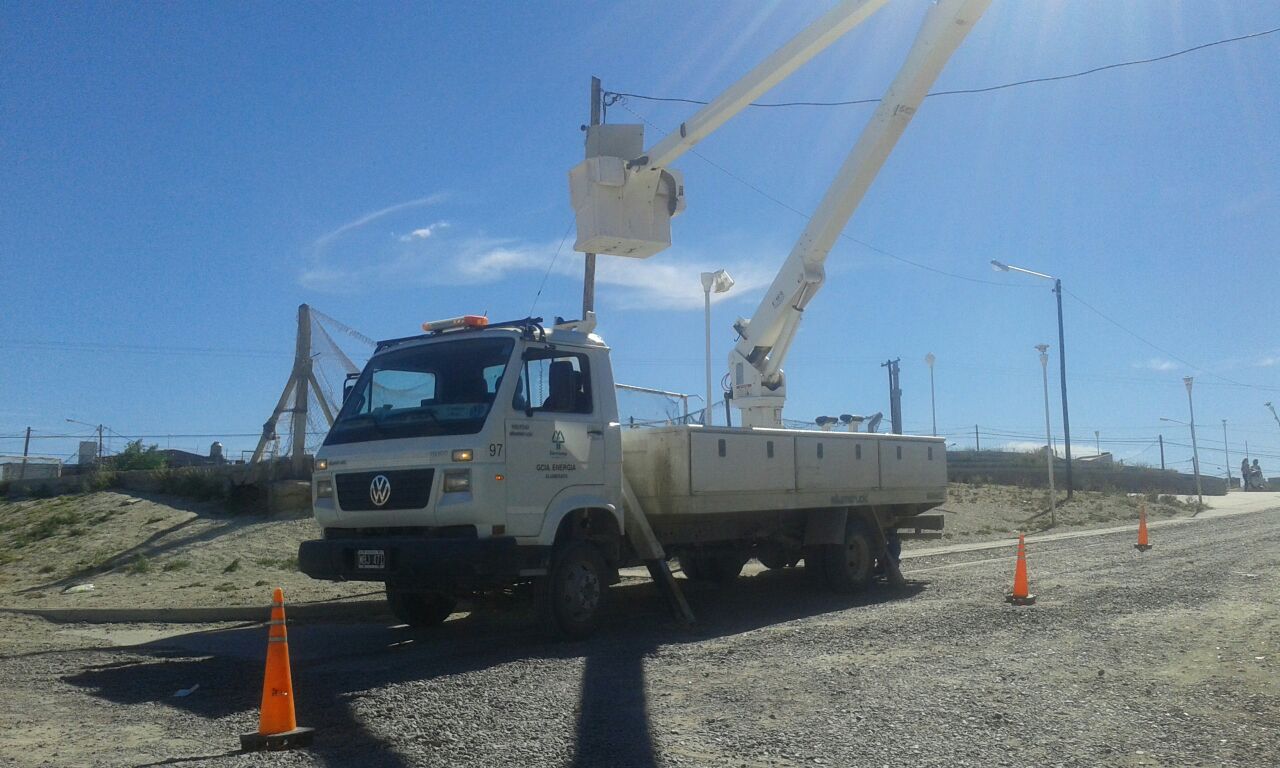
(460, 459)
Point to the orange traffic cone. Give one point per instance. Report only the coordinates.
(1142, 545)
(1020, 594)
(277, 728)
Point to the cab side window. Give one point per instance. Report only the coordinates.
(554, 381)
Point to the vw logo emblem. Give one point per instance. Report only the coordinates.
(379, 490)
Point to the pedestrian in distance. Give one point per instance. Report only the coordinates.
(1244, 474)
(1259, 481)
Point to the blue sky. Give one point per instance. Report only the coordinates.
(176, 179)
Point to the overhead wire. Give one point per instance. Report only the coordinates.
(969, 91)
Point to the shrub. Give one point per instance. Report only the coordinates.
(139, 565)
(176, 565)
(134, 456)
(232, 567)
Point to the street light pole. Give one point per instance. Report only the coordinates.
(1048, 432)
(1062, 361)
(1226, 451)
(1195, 451)
(929, 360)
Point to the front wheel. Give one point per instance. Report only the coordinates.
(572, 594)
(419, 609)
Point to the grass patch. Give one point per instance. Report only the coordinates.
(261, 583)
(232, 566)
(139, 565)
(46, 569)
(225, 586)
(282, 563)
(176, 565)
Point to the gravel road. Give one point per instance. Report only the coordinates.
(1163, 658)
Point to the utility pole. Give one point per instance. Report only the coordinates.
(26, 447)
(1226, 451)
(977, 442)
(589, 270)
(1161, 439)
(1097, 441)
(895, 396)
(1062, 370)
(1195, 452)
(929, 360)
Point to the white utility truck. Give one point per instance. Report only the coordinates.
(486, 456)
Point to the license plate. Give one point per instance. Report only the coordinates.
(371, 559)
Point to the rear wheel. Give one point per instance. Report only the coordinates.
(847, 567)
(717, 568)
(419, 609)
(572, 594)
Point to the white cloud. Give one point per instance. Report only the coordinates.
(324, 241)
(444, 256)
(1157, 364)
(424, 232)
(1266, 362)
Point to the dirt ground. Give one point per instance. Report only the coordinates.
(155, 552)
(1163, 658)
(166, 552)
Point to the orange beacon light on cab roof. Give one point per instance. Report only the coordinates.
(465, 321)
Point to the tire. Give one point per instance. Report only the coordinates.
(847, 568)
(572, 594)
(713, 569)
(419, 609)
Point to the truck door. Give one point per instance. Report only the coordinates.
(555, 438)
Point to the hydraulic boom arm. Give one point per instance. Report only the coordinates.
(755, 364)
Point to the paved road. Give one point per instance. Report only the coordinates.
(1161, 658)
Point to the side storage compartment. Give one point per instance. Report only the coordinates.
(836, 462)
(722, 461)
(907, 463)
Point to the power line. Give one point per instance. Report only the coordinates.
(806, 217)
(1161, 349)
(79, 346)
(963, 91)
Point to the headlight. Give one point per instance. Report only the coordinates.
(321, 465)
(457, 480)
(463, 454)
(324, 488)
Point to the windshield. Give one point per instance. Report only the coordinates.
(426, 390)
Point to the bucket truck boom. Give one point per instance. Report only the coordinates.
(624, 207)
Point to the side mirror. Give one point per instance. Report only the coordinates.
(349, 385)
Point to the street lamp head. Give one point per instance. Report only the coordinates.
(998, 266)
(718, 281)
(1044, 354)
(1188, 380)
(929, 359)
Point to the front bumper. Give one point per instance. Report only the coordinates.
(441, 564)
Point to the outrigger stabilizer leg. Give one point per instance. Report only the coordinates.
(655, 559)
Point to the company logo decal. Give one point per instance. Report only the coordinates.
(379, 490)
(557, 438)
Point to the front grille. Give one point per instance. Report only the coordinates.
(410, 489)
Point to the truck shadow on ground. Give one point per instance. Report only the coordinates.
(335, 666)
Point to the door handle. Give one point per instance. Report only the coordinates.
(595, 432)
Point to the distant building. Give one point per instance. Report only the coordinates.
(37, 468)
